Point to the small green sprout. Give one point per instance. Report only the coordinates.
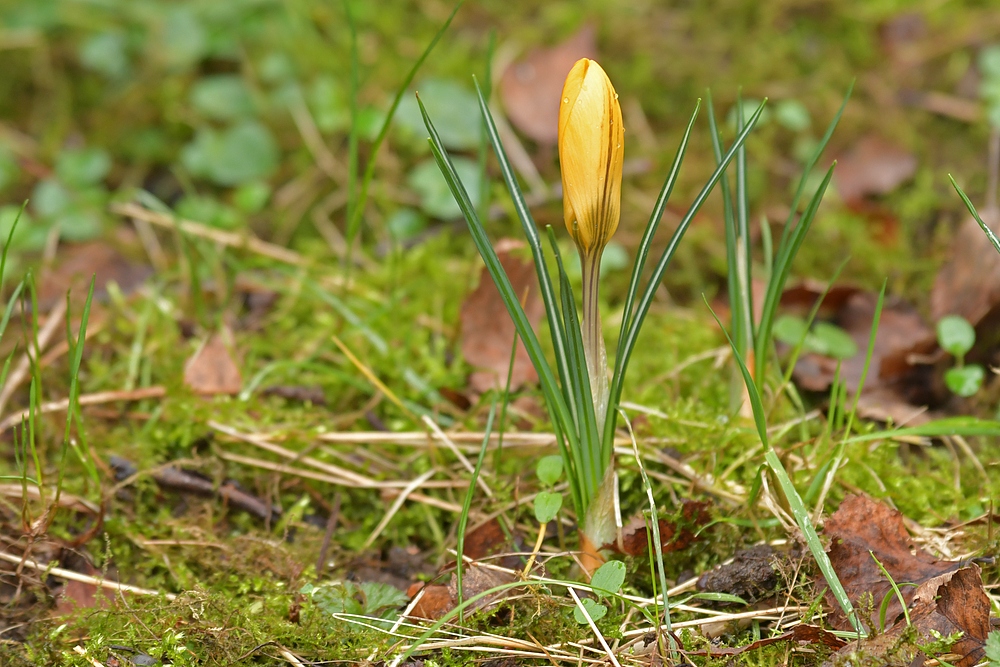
(607, 581)
(956, 337)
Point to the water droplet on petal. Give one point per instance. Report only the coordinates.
(565, 100)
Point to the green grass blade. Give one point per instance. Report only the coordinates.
(484, 138)
(354, 222)
(553, 395)
(9, 310)
(642, 253)
(798, 507)
(534, 239)
(779, 275)
(743, 265)
(964, 426)
(590, 453)
(352, 133)
(6, 246)
(975, 214)
(642, 308)
(73, 409)
(813, 159)
(654, 529)
(730, 231)
(869, 353)
(463, 519)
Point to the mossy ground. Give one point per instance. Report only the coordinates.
(238, 577)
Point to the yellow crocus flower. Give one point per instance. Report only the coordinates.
(590, 156)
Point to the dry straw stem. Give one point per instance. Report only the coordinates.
(52, 570)
(246, 241)
(451, 636)
(96, 398)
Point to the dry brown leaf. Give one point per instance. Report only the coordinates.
(531, 88)
(969, 283)
(874, 166)
(78, 595)
(212, 370)
(488, 331)
(894, 387)
(859, 528)
(949, 603)
(675, 535)
(489, 539)
(74, 266)
(434, 603)
(476, 580)
(438, 600)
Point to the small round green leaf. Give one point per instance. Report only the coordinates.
(237, 155)
(596, 610)
(549, 469)
(83, 167)
(833, 341)
(222, 97)
(405, 224)
(453, 108)
(955, 335)
(251, 197)
(792, 115)
(790, 329)
(966, 380)
(105, 53)
(609, 578)
(436, 199)
(547, 505)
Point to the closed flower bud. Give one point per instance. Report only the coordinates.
(590, 156)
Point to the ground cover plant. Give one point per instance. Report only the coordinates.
(261, 402)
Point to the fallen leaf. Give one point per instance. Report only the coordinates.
(78, 595)
(212, 371)
(488, 331)
(675, 534)
(874, 166)
(477, 580)
(969, 282)
(947, 604)
(76, 263)
(433, 604)
(489, 539)
(895, 388)
(531, 88)
(859, 528)
(438, 600)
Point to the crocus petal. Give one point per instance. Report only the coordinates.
(590, 155)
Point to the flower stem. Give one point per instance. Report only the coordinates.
(593, 336)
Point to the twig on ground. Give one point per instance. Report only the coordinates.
(231, 239)
(86, 399)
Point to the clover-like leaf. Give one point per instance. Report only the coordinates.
(609, 578)
(547, 505)
(549, 469)
(955, 335)
(595, 610)
(965, 380)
